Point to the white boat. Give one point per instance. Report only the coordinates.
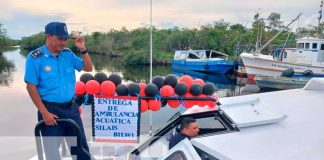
(308, 56)
(279, 125)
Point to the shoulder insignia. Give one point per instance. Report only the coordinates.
(66, 50)
(36, 53)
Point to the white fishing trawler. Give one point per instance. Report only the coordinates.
(308, 56)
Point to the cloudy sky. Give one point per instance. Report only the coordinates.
(26, 17)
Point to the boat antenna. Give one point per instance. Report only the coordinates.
(319, 18)
(270, 40)
(194, 42)
(256, 18)
(151, 61)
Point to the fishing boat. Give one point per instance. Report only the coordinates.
(203, 61)
(274, 125)
(280, 82)
(308, 56)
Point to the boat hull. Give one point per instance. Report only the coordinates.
(280, 82)
(219, 66)
(265, 65)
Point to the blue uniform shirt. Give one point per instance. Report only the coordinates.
(53, 76)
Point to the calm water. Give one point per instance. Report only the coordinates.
(18, 114)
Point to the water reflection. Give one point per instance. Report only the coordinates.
(142, 73)
(221, 81)
(129, 73)
(106, 63)
(7, 67)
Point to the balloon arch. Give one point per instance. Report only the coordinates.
(170, 90)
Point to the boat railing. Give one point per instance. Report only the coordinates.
(39, 126)
(310, 35)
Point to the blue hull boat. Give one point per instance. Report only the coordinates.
(221, 81)
(203, 61)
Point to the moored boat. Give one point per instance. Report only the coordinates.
(308, 56)
(203, 61)
(280, 82)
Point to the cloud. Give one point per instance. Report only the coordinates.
(103, 15)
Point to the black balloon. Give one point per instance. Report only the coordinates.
(115, 78)
(134, 89)
(209, 89)
(100, 77)
(171, 80)
(158, 81)
(85, 77)
(151, 90)
(122, 90)
(195, 89)
(181, 89)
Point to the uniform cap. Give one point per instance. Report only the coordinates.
(57, 28)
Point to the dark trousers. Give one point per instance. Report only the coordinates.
(53, 136)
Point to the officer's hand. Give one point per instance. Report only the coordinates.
(79, 43)
(49, 119)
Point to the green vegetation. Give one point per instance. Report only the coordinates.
(32, 42)
(5, 42)
(132, 46)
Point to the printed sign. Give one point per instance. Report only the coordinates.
(116, 119)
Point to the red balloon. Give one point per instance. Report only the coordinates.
(199, 81)
(189, 103)
(108, 88)
(92, 87)
(212, 104)
(167, 91)
(142, 92)
(186, 79)
(202, 103)
(144, 105)
(154, 105)
(80, 88)
(174, 103)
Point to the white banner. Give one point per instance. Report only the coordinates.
(116, 119)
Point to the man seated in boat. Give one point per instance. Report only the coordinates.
(188, 129)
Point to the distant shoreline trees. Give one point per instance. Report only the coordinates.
(5, 42)
(133, 45)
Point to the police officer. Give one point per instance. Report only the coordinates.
(50, 79)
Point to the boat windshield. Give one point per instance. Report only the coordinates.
(213, 54)
(192, 56)
(209, 123)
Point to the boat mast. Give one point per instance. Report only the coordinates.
(270, 40)
(151, 62)
(319, 20)
(259, 29)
